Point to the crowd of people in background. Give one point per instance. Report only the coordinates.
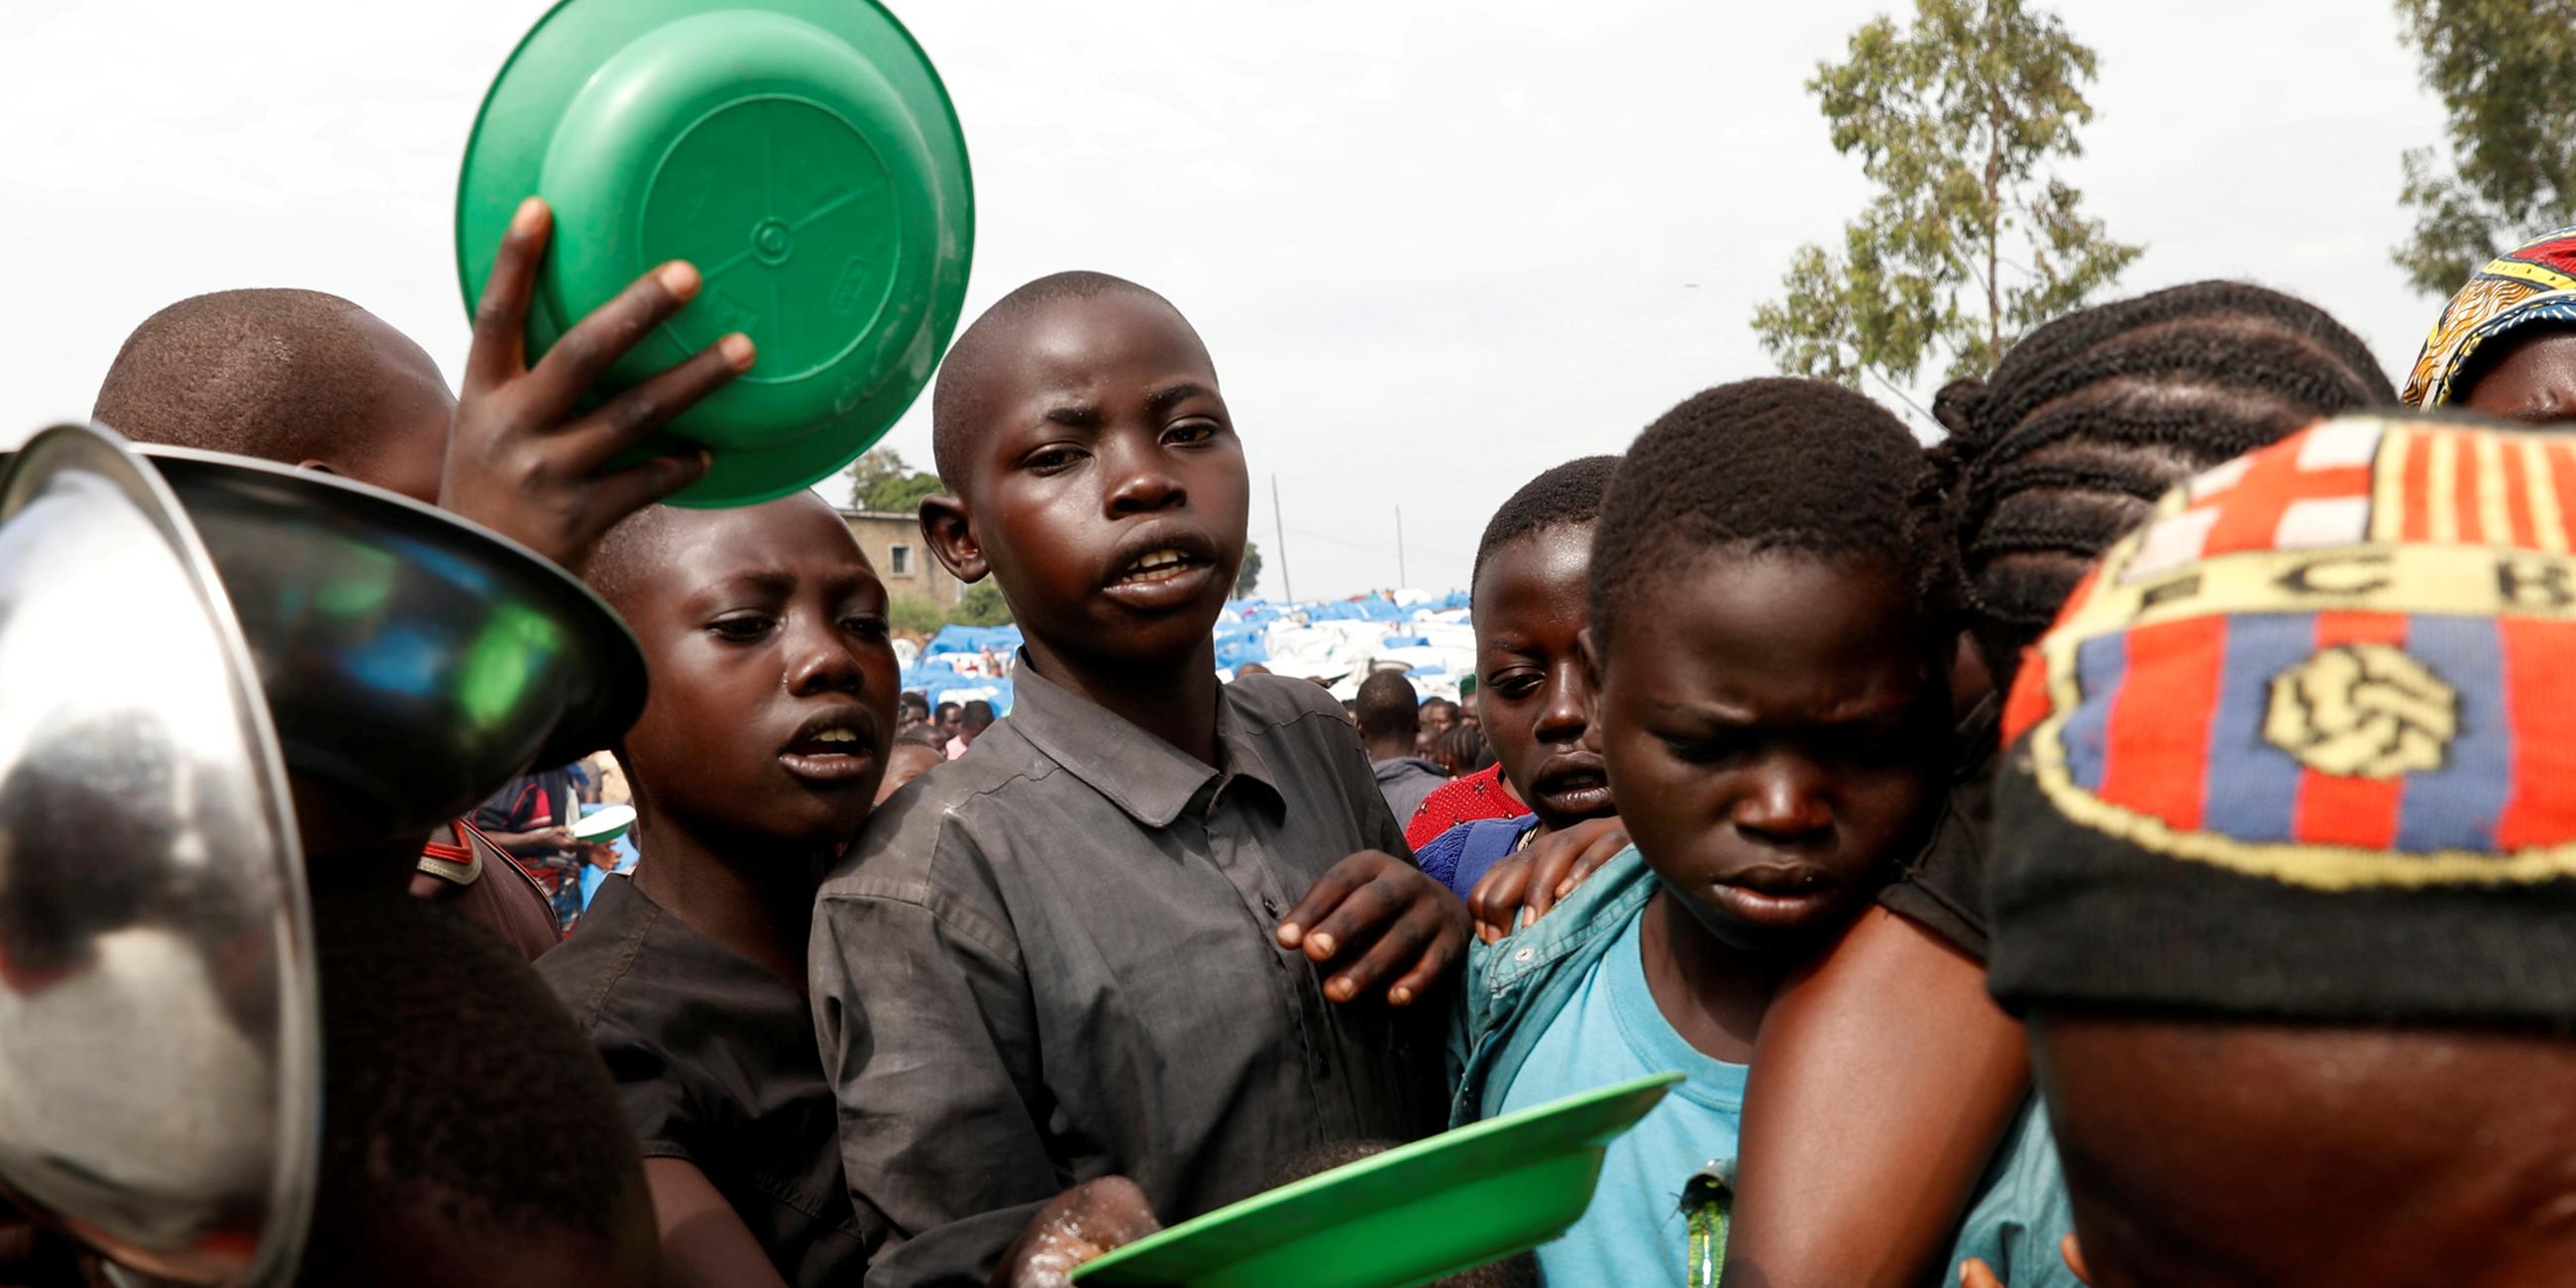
(2190, 698)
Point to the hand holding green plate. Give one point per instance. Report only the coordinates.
(1404, 1217)
(801, 153)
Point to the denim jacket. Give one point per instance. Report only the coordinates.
(1515, 987)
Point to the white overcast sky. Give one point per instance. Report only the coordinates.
(1435, 247)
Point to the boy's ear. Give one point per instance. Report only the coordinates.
(950, 532)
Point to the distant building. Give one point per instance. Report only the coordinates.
(893, 544)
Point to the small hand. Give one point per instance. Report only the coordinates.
(1974, 1273)
(1088, 1221)
(523, 459)
(1519, 890)
(1389, 913)
(559, 838)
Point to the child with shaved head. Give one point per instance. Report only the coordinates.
(1084, 947)
(285, 375)
(2283, 877)
(310, 379)
(755, 761)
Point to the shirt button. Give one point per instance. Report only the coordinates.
(1524, 954)
(1270, 905)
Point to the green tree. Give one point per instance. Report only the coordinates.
(913, 615)
(2506, 73)
(982, 605)
(881, 481)
(1971, 239)
(1250, 574)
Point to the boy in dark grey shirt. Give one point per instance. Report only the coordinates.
(1121, 934)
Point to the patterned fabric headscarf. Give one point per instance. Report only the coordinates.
(2534, 282)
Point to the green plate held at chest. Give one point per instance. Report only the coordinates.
(801, 153)
(1408, 1216)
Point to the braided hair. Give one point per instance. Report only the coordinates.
(2093, 416)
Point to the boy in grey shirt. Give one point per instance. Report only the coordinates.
(1121, 934)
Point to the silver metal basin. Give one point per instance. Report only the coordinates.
(159, 1048)
(413, 661)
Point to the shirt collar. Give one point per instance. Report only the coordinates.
(1152, 780)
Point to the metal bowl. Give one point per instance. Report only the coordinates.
(413, 661)
(160, 1059)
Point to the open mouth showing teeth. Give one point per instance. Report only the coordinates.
(1157, 565)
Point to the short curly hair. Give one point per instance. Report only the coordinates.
(1566, 496)
(276, 373)
(1775, 464)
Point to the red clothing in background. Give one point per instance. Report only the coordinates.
(1462, 800)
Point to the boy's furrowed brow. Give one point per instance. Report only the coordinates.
(1077, 415)
(1162, 399)
(770, 583)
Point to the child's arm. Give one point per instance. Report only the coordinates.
(523, 459)
(704, 1242)
(1882, 1079)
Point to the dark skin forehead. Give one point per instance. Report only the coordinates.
(2531, 380)
(1042, 370)
(1780, 638)
(1519, 599)
(682, 553)
(2227, 1154)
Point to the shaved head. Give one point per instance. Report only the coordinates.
(957, 399)
(645, 541)
(633, 548)
(297, 377)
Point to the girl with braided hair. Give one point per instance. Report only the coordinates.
(1890, 1038)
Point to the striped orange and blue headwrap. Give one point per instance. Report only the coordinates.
(2305, 745)
(2533, 283)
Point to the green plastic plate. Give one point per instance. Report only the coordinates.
(1408, 1216)
(801, 153)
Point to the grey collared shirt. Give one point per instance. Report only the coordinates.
(1052, 960)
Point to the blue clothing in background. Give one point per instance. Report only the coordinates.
(1609, 1032)
(1460, 857)
(591, 877)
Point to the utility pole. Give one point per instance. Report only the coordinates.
(1279, 533)
(1401, 581)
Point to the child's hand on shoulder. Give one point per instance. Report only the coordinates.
(523, 459)
(1086, 1222)
(1382, 915)
(1519, 890)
